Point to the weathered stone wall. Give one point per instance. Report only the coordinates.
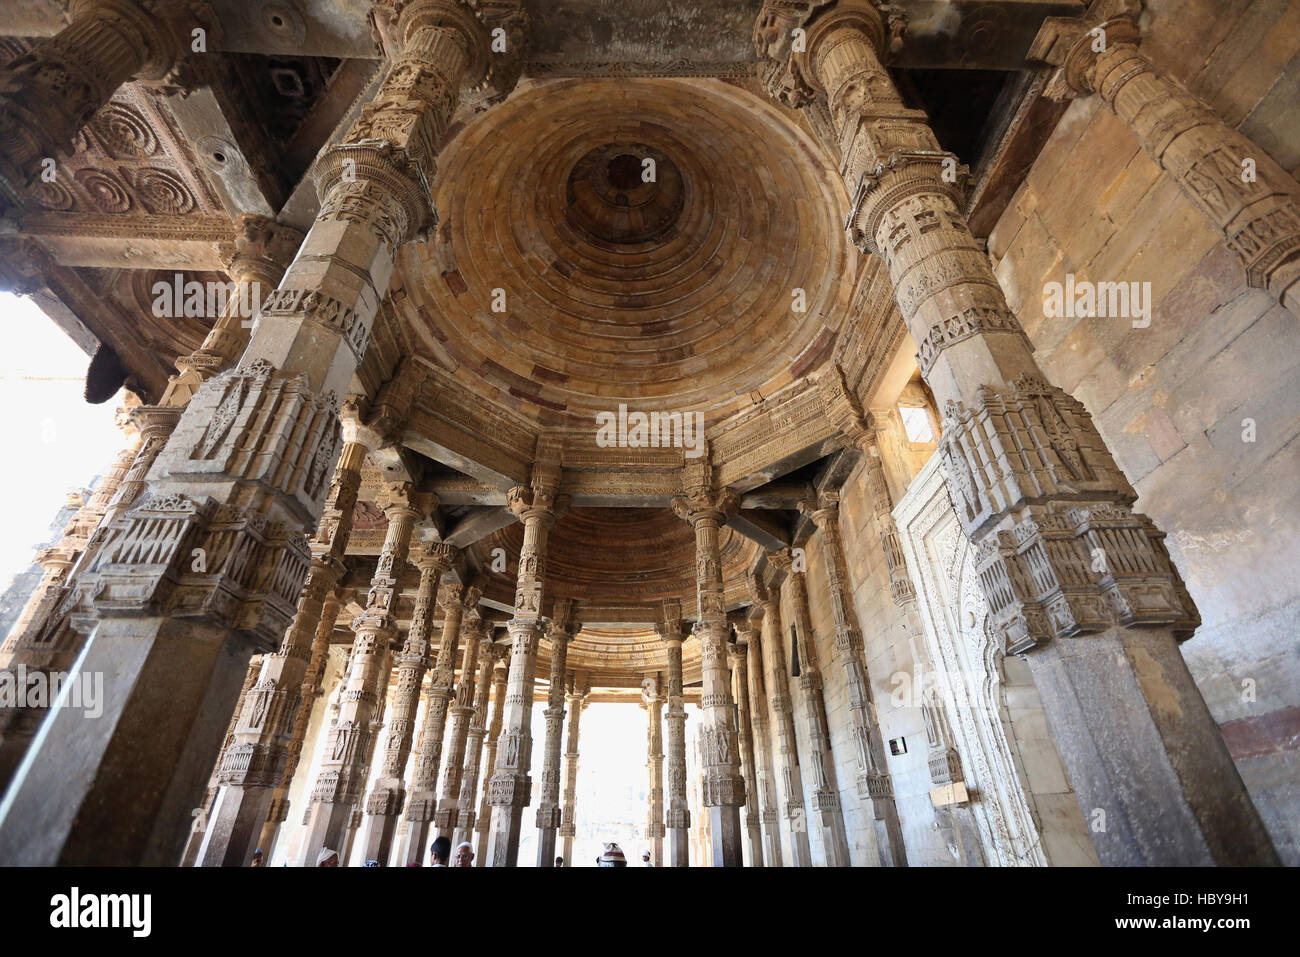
(1175, 400)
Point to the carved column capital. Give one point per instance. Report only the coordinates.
(1073, 46)
(263, 249)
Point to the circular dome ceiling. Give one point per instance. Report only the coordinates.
(648, 237)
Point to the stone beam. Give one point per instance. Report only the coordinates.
(1023, 120)
(456, 489)
(202, 117)
(468, 433)
(973, 34)
(785, 433)
(777, 495)
(478, 525)
(762, 527)
(111, 242)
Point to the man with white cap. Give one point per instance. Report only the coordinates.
(613, 857)
(645, 859)
(464, 855)
(328, 857)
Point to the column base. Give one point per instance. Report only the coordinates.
(377, 834)
(235, 826)
(327, 826)
(119, 790)
(507, 821)
(414, 844)
(546, 847)
(679, 847)
(1154, 779)
(726, 835)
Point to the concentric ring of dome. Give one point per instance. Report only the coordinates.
(694, 316)
(621, 557)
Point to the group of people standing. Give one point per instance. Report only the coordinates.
(440, 854)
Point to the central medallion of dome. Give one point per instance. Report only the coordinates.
(625, 194)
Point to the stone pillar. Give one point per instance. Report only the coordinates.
(447, 815)
(202, 811)
(48, 94)
(653, 702)
(263, 248)
(509, 791)
(343, 771)
(549, 813)
(954, 815)
(787, 751)
(678, 817)
(575, 700)
(828, 815)
(1254, 206)
(423, 802)
(1075, 579)
(875, 787)
(724, 788)
(467, 799)
(312, 688)
(483, 824)
(762, 751)
(269, 712)
(48, 641)
(739, 652)
(388, 794)
(245, 471)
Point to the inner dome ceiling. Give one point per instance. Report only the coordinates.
(675, 295)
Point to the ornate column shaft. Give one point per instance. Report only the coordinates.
(48, 94)
(201, 812)
(269, 713)
(509, 791)
(447, 815)
(466, 801)
(1237, 186)
(762, 752)
(343, 771)
(653, 702)
(678, 817)
(575, 701)
(787, 751)
(500, 677)
(724, 787)
(875, 787)
(828, 815)
(1074, 578)
(384, 804)
(549, 812)
(263, 249)
(312, 688)
(740, 674)
(423, 802)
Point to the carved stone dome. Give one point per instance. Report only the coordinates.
(663, 294)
